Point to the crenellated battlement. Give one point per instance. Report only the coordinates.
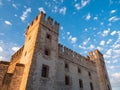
(17, 54)
(49, 23)
(69, 54)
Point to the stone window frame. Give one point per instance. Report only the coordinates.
(67, 80)
(90, 75)
(47, 52)
(79, 70)
(48, 36)
(45, 71)
(91, 86)
(81, 83)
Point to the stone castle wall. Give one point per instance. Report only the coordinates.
(10, 81)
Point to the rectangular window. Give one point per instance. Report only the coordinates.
(81, 83)
(48, 36)
(91, 86)
(47, 52)
(79, 70)
(66, 65)
(89, 75)
(67, 80)
(45, 71)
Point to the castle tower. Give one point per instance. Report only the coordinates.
(40, 54)
(103, 78)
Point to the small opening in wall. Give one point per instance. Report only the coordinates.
(81, 83)
(66, 65)
(48, 36)
(45, 71)
(47, 52)
(25, 53)
(89, 75)
(91, 86)
(79, 70)
(67, 80)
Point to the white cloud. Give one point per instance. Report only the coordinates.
(8, 22)
(95, 18)
(14, 5)
(109, 52)
(86, 41)
(112, 67)
(108, 62)
(1, 58)
(116, 51)
(82, 4)
(68, 33)
(55, 9)
(113, 33)
(25, 14)
(63, 10)
(15, 48)
(109, 41)
(105, 32)
(113, 19)
(41, 9)
(82, 47)
(102, 43)
(100, 48)
(115, 61)
(61, 28)
(116, 75)
(116, 46)
(113, 11)
(88, 16)
(91, 47)
(72, 39)
(1, 49)
(77, 6)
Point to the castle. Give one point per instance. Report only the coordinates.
(44, 64)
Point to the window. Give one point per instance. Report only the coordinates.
(89, 75)
(25, 53)
(91, 86)
(81, 83)
(47, 52)
(45, 71)
(66, 65)
(79, 70)
(67, 80)
(108, 87)
(48, 36)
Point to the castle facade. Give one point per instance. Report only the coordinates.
(44, 64)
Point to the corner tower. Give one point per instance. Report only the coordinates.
(103, 79)
(40, 54)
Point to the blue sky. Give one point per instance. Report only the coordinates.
(85, 25)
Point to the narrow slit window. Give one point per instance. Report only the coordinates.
(91, 86)
(81, 83)
(79, 70)
(66, 65)
(45, 71)
(48, 36)
(47, 52)
(67, 80)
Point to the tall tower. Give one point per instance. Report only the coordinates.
(40, 54)
(103, 79)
